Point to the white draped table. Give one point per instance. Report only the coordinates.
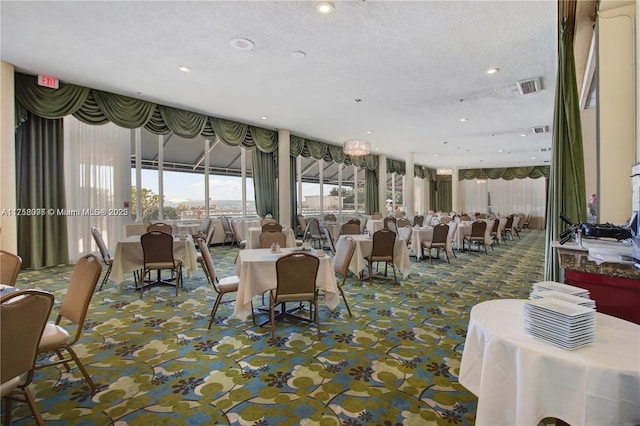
(256, 269)
(364, 246)
(418, 235)
(129, 256)
(519, 380)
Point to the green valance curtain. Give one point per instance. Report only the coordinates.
(265, 180)
(97, 107)
(567, 182)
(508, 173)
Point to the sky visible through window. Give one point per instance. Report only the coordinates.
(180, 187)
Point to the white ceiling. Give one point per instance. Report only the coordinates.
(418, 66)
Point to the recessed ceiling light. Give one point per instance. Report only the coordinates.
(499, 150)
(299, 54)
(325, 7)
(493, 70)
(533, 158)
(264, 117)
(242, 43)
(357, 100)
(184, 68)
(445, 142)
(464, 119)
(523, 134)
(435, 155)
(369, 132)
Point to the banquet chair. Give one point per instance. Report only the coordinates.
(341, 260)
(270, 237)
(453, 226)
(157, 250)
(494, 233)
(296, 282)
(242, 244)
(302, 225)
(266, 220)
(418, 220)
(445, 219)
(229, 235)
(477, 235)
(9, 268)
(376, 216)
(330, 218)
(23, 316)
(387, 220)
(104, 252)
(162, 227)
(350, 228)
(314, 232)
(207, 242)
(327, 235)
(402, 222)
(526, 223)
(508, 228)
(271, 227)
(439, 241)
(434, 221)
(382, 251)
(516, 224)
(75, 305)
(222, 286)
(465, 218)
(204, 229)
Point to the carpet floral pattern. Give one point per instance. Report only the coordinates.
(396, 362)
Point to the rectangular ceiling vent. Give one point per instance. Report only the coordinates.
(545, 149)
(540, 129)
(529, 86)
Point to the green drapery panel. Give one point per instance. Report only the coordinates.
(371, 191)
(508, 173)
(444, 199)
(42, 238)
(293, 192)
(265, 178)
(567, 182)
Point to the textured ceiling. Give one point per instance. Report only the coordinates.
(418, 66)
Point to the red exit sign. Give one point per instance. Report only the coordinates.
(48, 81)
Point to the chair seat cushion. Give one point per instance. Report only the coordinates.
(7, 387)
(229, 284)
(53, 337)
(160, 265)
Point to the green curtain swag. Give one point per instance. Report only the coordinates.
(42, 238)
(567, 181)
(508, 173)
(93, 106)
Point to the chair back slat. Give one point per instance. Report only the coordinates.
(440, 233)
(271, 227)
(268, 238)
(383, 243)
(296, 274)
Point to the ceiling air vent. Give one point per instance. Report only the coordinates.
(545, 149)
(540, 129)
(529, 86)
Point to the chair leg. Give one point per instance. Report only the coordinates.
(345, 300)
(393, 266)
(215, 309)
(34, 408)
(106, 277)
(7, 412)
(272, 317)
(81, 367)
(315, 303)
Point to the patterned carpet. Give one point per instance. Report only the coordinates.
(394, 363)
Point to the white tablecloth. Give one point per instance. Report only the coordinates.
(135, 228)
(257, 271)
(364, 245)
(520, 380)
(418, 235)
(253, 237)
(243, 225)
(374, 225)
(129, 256)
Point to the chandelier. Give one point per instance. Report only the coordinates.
(481, 178)
(356, 147)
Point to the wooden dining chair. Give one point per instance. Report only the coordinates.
(23, 316)
(75, 305)
(9, 267)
